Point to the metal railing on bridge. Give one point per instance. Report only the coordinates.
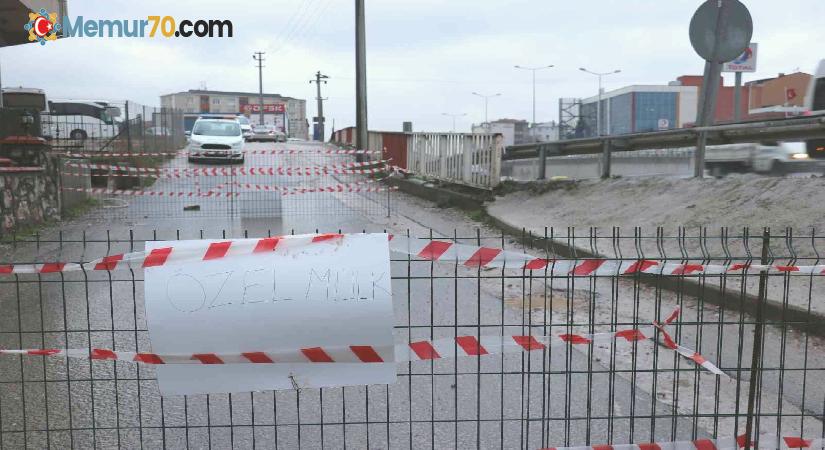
(802, 128)
(471, 159)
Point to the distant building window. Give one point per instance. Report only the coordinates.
(216, 101)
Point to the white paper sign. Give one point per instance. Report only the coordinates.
(326, 294)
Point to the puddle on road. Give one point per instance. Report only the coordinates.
(557, 300)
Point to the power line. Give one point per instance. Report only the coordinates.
(290, 25)
(309, 26)
(302, 23)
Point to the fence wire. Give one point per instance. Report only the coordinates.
(131, 160)
(621, 392)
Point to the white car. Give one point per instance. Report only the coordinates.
(216, 140)
(246, 126)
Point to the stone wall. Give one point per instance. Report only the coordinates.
(29, 195)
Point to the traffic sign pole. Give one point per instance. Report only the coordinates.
(720, 30)
(737, 98)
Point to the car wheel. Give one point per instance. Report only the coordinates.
(78, 135)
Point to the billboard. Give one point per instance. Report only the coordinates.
(746, 62)
(268, 108)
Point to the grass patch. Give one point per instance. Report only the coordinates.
(477, 215)
(81, 208)
(30, 230)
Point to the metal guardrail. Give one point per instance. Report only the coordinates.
(810, 127)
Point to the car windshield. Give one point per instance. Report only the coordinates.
(217, 128)
(263, 128)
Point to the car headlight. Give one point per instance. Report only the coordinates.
(237, 144)
(799, 156)
(194, 143)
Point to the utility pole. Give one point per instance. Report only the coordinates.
(318, 132)
(534, 70)
(259, 56)
(599, 104)
(361, 140)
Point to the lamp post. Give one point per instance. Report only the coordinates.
(486, 99)
(599, 104)
(534, 70)
(454, 117)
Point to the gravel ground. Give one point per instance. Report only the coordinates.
(687, 219)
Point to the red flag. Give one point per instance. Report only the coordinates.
(790, 94)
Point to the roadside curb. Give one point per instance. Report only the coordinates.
(438, 195)
(794, 316)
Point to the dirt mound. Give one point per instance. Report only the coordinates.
(735, 202)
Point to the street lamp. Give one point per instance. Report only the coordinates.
(534, 70)
(599, 104)
(486, 99)
(454, 116)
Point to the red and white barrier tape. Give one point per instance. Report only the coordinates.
(468, 256)
(168, 255)
(474, 256)
(341, 188)
(316, 151)
(247, 152)
(284, 189)
(175, 172)
(765, 441)
(151, 193)
(217, 191)
(263, 171)
(426, 350)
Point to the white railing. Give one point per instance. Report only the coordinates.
(461, 158)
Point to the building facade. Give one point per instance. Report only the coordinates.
(638, 109)
(643, 108)
(513, 131)
(786, 90)
(283, 112)
(544, 132)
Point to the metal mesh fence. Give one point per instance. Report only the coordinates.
(762, 330)
(133, 160)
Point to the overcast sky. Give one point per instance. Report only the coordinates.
(424, 57)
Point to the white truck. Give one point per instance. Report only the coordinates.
(772, 158)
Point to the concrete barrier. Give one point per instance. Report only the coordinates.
(668, 162)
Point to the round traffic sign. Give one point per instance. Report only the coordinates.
(721, 30)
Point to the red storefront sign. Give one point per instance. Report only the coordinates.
(268, 108)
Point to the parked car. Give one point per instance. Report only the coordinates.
(216, 140)
(266, 133)
(246, 126)
(774, 158)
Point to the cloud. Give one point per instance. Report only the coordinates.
(425, 57)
